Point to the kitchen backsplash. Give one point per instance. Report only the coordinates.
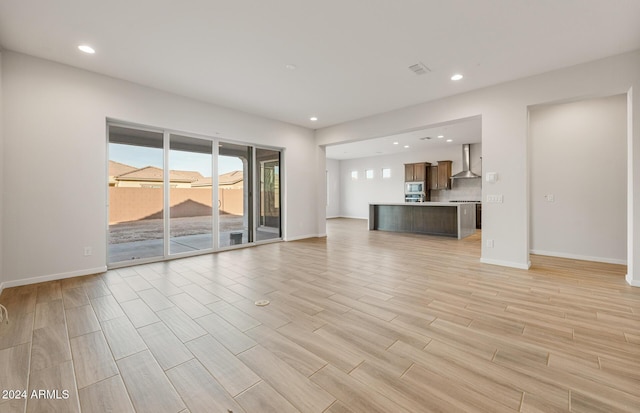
(462, 190)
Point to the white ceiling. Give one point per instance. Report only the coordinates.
(352, 56)
(459, 132)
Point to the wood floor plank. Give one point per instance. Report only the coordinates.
(81, 320)
(353, 393)
(122, 337)
(149, 388)
(296, 356)
(233, 316)
(232, 373)
(92, 359)
(181, 324)
(482, 383)
(139, 313)
(106, 308)
(201, 293)
(19, 330)
(74, 297)
(49, 313)
(264, 399)
(137, 283)
(230, 337)
(298, 389)
(164, 345)
(15, 367)
(199, 390)
(48, 292)
(96, 288)
(339, 355)
(189, 305)
(155, 300)
(50, 347)
(56, 379)
(122, 292)
(465, 399)
(108, 395)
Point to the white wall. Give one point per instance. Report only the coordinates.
(578, 154)
(55, 161)
(333, 188)
(355, 195)
(504, 111)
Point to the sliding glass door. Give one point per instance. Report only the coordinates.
(136, 207)
(268, 177)
(190, 194)
(234, 194)
(171, 194)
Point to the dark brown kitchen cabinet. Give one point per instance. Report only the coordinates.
(444, 174)
(416, 172)
(433, 177)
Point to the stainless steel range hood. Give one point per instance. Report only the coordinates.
(466, 164)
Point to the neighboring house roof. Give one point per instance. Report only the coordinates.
(123, 172)
(230, 178)
(194, 175)
(117, 168)
(153, 174)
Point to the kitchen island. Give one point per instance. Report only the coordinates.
(433, 218)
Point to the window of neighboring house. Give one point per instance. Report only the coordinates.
(386, 173)
(354, 175)
(369, 173)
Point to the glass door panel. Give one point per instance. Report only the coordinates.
(190, 194)
(136, 226)
(234, 194)
(269, 211)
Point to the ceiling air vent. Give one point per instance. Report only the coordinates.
(419, 68)
(426, 138)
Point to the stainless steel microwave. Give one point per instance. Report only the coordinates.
(414, 187)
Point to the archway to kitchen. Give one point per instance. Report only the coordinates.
(373, 170)
(578, 179)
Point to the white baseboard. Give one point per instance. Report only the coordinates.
(350, 217)
(506, 263)
(52, 277)
(579, 257)
(631, 281)
(299, 237)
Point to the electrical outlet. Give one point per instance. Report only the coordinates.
(550, 198)
(88, 251)
(489, 243)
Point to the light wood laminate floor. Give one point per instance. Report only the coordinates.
(358, 322)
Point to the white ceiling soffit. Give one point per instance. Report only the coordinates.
(453, 134)
(351, 56)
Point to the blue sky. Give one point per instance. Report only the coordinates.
(140, 157)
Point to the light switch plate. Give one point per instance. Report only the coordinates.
(494, 199)
(491, 177)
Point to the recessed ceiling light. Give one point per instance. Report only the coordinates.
(440, 136)
(313, 119)
(396, 143)
(457, 76)
(86, 49)
(406, 146)
(449, 140)
(290, 66)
